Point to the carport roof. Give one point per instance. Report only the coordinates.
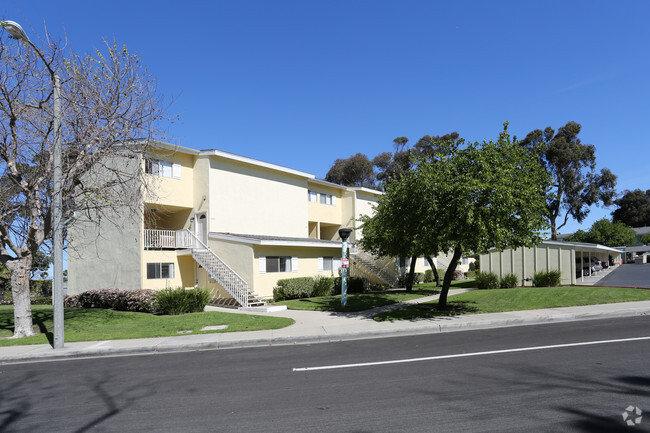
(585, 247)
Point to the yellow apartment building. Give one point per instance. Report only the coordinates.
(230, 223)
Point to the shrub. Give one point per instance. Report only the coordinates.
(42, 300)
(355, 285)
(402, 279)
(458, 275)
(471, 274)
(143, 301)
(509, 281)
(377, 287)
(472, 266)
(487, 280)
(547, 279)
(428, 276)
(180, 301)
(323, 286)
(293, 288)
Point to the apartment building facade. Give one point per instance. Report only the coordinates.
(226, 222)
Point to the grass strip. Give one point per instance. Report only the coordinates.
(355, 302)
(98, 324)
(522, 298)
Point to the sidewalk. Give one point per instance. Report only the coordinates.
(321, 327)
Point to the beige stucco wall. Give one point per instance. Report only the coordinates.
(307, 265)
(171, 191)
(363, 205)
(325, 213)
(525, 262)
(249, 199)
(183, 270)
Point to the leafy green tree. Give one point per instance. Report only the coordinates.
(633, 208)
(576, 186)
(463, 198)
(605, 232)
(645, 239)
(394, 229)
(356, 170)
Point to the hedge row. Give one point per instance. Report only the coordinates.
(310, 287)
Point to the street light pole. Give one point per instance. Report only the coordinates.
(345, 264)
(17, 32)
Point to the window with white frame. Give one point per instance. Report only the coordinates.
(278, 264)
(312, 196)
(329, 263)
(162, 168)
(464, 261)
(327, 199)
(160, 270)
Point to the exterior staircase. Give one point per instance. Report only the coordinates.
(383, 268)
(235, 285)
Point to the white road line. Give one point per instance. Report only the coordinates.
(466, 355)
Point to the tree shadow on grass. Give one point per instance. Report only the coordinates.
(428, 310)
(359, 302)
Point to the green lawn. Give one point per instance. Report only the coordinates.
(356, 301)
(522, 298)
(97, 324)
(366, 301)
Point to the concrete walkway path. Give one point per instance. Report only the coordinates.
(319, 327)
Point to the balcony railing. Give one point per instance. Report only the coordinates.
(168, 239)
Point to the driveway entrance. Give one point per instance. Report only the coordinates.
(628, 275)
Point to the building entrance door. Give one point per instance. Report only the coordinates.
(202, 228)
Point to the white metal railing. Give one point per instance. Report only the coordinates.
(218, 269)
(204, 256)
(382, 267)
(176, 239)
(159, 238)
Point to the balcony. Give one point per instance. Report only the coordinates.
(169, 239)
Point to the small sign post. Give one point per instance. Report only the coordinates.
(345, 264)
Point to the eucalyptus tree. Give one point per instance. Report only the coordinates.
(110, 109)
(572, 165)
(633, 208)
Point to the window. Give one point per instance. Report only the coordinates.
(162, 168)
(464, 261)
(278, 264)
(327, 199)
(312, 196)
(404, 262)
(160, 270)
(329, 263)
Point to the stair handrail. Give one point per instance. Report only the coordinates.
(383, 271)
(241, 294)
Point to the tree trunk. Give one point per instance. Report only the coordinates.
(449, 275)
(436, 277)
(409, 279)
(19, 273)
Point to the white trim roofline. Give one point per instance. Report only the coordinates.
(583, 246)
(277, 242)
(233, 157)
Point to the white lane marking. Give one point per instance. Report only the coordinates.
(466, 355)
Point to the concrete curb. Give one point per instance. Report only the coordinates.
(42, 353)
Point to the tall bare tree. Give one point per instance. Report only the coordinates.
(110, 109)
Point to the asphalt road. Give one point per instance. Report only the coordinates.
(432, 383)
(628, 275)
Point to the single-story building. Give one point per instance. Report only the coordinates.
(567, 257)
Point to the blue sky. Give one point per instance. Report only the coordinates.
(301, 83)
